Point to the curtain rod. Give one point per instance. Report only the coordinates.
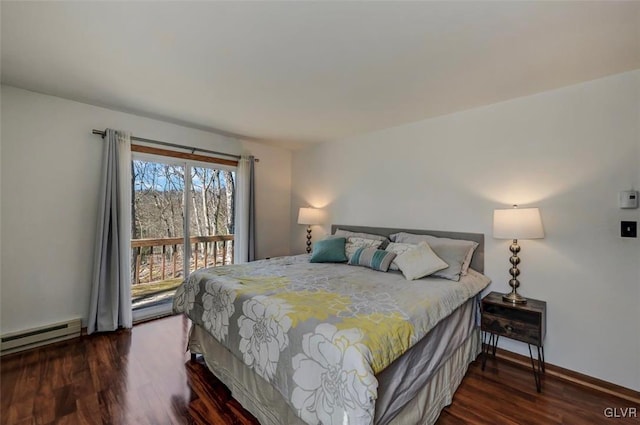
(174, 145)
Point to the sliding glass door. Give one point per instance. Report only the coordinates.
(182, 220)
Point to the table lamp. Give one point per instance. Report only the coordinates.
(516, 223)
(309, 216)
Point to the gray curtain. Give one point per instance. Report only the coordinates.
(245, 227)
(110, 306)
(252, 209)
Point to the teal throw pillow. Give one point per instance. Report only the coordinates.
(329, 251)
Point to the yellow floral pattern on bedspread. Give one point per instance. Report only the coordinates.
(319, 332)
(307, 305)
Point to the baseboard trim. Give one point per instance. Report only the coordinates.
(574, 377)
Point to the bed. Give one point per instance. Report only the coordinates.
(323, 343)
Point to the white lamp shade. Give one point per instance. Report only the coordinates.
(517, 223)
(310, 216)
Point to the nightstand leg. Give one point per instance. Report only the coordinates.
(495, 344)
(536, 371)
(485, 351)
(489, 344)
(541, 349)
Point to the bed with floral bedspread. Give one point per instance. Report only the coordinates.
(319, 333)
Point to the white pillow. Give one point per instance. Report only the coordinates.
(419, 262)
(398, 249)
(353, 244)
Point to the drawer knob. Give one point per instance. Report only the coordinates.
(509, 328)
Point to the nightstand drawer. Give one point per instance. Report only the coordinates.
(518, 330)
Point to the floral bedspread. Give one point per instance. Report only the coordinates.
(319, 332)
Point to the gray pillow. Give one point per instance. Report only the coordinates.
(456, 253)
(347, 233)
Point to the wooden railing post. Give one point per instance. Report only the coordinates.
(151, 266)
(175, 256)
(137, 271)
(195, 252)
(224, 253)
(164, 255)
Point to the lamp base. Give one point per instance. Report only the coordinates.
(309, 239)
(514, 297)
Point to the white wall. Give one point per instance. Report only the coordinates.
(50, 174)
(567, 151)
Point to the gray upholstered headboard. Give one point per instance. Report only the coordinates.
(477, 262)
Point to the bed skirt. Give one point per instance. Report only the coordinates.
(269, 407)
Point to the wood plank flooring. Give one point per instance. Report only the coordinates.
(144, 376)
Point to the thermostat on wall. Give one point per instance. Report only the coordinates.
(628, 199)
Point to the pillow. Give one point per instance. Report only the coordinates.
(354, 243)
(398, 249)
(376, 259)
(467, 261)
(329, 251)
(419, 262)
(455, 252)
(347, 233)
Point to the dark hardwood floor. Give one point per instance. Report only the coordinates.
(144, 377)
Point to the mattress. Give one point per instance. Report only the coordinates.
(413, 389)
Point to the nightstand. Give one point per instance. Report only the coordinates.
(521, 322)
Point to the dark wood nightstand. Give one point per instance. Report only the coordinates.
(521, 322)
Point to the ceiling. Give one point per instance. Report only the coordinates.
(296, 73)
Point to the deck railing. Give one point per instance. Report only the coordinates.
(161, 258)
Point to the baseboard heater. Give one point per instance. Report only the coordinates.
(36, 337)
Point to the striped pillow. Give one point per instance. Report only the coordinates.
(376, 259)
